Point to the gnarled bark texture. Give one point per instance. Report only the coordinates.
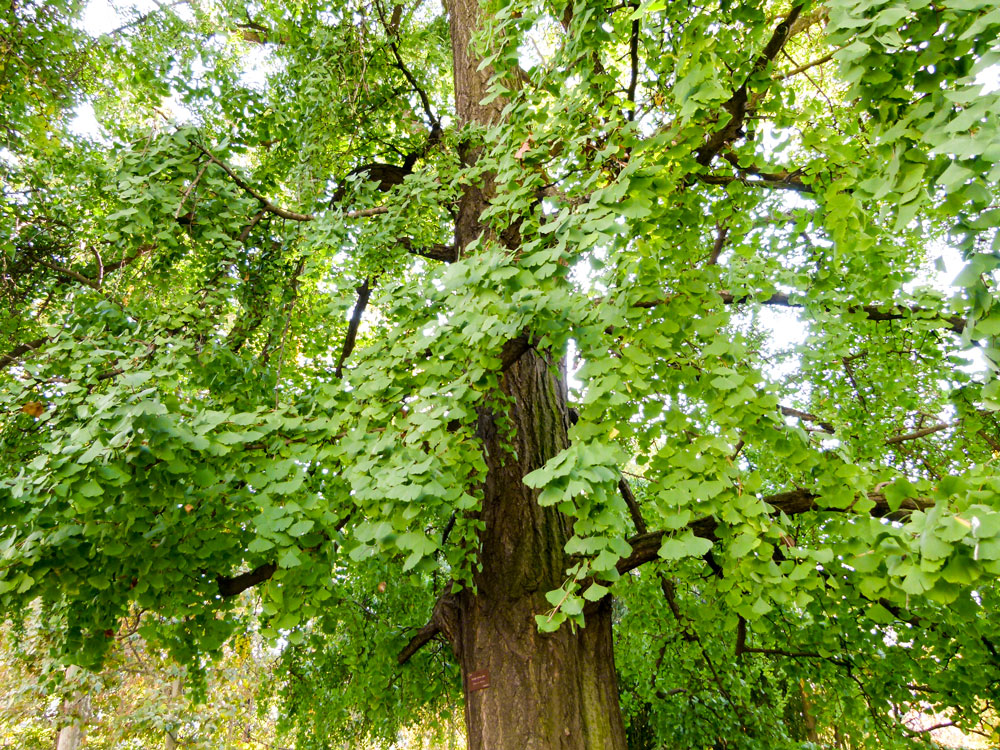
(546, 692)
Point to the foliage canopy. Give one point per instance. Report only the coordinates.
(240, 345)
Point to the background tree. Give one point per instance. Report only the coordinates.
(138, 699)
(461, 317)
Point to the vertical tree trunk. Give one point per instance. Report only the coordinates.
(545, 692)
(170, 741)
(70, 736)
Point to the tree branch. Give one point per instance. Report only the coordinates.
(445, 253)
(145, 17)
(633, 54)
(775, 180)
(923, 730)
(805, 66)
(71, 274)
(231, 586)
(955, 323)
(392, 34)
(418, 641)
(921, 433)
(721, 232)
(254, 221)
(444, 619)
(364, 293)
(633, 506)
(793, 654)
(645, 547)
(14, 354)
(806, 417)
(190, 188)
(245, 187)
(877, 313)
(737, 103)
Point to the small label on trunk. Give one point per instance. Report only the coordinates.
(479, 680)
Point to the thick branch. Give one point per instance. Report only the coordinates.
(71, 274)
(633, 506)
(231, 586)
(955, 323)
(773, 180)
(513, 350)
(445, 253)
(21, 349)
(418, 641)
(364, 293)
(645, 547)
(633, 54)
(806, 417)
(444, 620)
(736, 106)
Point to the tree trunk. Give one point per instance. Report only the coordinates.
(169, 740)
(70, 736)
(544, 691)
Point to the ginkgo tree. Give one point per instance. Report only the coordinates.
(450, 334)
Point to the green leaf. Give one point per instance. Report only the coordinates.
(684, 545)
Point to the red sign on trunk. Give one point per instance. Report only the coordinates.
(479, 680)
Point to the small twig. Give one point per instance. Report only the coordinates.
(924, 730)
(921, 433)
(804, 67)
(290, 306)
(192, 186)
(70, 273)
(854, 383)
(782, 652)
(284, 213)
(160, 7)
(243, 185)
(128, 259)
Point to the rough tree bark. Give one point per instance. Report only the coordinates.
(545, 691)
